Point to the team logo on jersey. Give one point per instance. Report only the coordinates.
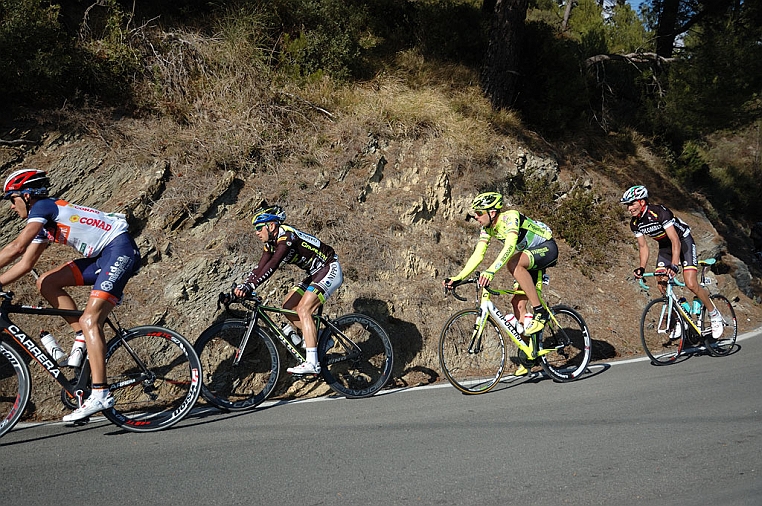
(106, 286)
(92, 222)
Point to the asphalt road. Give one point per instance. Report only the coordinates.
(629, 433)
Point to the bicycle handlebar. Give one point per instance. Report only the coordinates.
(226, 299)
(474, 279)
(673, 280)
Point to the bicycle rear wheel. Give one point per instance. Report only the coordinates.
(155, 378)
(472, 364)
(356, 355)
(570, 337)
(725, 344)
(242, 386)
(15, 387)
(656, 325)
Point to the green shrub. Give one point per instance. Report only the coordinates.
(587, 222)
(36, 55)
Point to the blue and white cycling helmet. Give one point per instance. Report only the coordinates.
(635, 193)
(268, 214)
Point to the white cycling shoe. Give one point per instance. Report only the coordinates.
(90, 407)
(304, 368)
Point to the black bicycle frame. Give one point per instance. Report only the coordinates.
(260, 310)
(74, 387)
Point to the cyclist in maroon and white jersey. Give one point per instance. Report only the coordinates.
(110, 259)
(285, 244)
(676, 246)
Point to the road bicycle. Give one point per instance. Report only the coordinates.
(474, 353)
(241, 363)
(153, 372)
(672, 327)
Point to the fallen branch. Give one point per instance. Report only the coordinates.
(16, 142)
(311, 104)
(629, 58)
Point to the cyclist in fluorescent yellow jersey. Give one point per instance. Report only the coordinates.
(528, 247)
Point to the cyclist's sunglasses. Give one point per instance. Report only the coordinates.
(480, 212)
(259, 226)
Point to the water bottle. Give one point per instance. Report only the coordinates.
(684, 303)
(289, 332)
(511, 320)
(52, 346)
(77, 351)
(696, 306)
(527, 320)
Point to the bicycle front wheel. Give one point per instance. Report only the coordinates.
(473, 363)
(570, 337)
(657, 326)
(356, 355)
(155, 378)
(724, 344)
(237, 386)
(15, 387)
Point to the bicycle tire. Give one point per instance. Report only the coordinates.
(236, 387)
(159, 396)
(725, 344)
(570, 336)
(655, 328)
(473, 368)
(360, 368)
(15, 387)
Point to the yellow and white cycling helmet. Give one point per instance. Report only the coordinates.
(487, 201)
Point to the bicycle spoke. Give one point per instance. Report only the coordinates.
(657, 332)
(237, 386)
(15, 385)
(357, 360)
(569, 336)
(155, 382)
(725, 343)
(473, 364)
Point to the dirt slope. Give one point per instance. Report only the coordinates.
(393, 209)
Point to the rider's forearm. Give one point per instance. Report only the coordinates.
(476, 258)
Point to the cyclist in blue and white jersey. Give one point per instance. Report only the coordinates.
(110, 259)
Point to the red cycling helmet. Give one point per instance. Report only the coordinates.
(31, 181)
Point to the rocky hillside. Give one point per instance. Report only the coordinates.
(392, 205)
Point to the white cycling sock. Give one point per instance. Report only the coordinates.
(312, 356)
(99, 393)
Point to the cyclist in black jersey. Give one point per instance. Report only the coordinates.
(676, 246)
(285, 244)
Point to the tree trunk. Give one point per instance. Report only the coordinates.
(501, 74)
(666, 29)
(567, 14)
